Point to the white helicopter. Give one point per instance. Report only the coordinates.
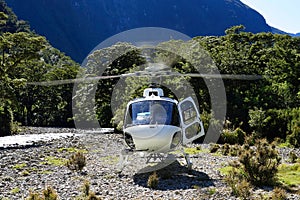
(155, 124)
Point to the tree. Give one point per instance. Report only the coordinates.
(93, 101)
(16, 49)
(9, 21)
(275, 57)
(50, 105)
(26, 57)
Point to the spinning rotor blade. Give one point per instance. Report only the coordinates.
(226, 76)
(76, 80)
(148, 74)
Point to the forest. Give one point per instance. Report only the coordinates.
(268, 107)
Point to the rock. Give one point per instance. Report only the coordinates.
(100, 172)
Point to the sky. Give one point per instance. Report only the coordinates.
(280, 14)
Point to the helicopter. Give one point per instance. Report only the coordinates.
(155, 125)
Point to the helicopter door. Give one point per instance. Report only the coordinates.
(192, 126)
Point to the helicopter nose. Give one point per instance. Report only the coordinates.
(154, 139)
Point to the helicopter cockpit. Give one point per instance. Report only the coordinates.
(157, 123)
(147, 112)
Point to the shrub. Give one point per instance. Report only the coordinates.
(6, 119)
(250, 139)
(225, 149)
(87, 194)
(153, 181)
(294, 127)
(234, 150)
(236, 136)
(294, 138)
(76, 162)
(34, 196)
(48, 194)
(279, 194)
(92, 196)
(239, 185)
(257, 120)
(281, 123)
(86, 188)
(260, 164)
(293, 157)
(214, 148)
(241, 135)
(229, 150)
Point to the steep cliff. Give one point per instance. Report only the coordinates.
(77, 26)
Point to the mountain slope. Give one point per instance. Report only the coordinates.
(277, 31)
(77, 26)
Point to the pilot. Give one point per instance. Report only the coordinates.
(158, 114)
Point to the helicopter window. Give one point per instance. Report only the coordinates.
(192, 130)
(188, 112)
(155, 93)
(152, 112)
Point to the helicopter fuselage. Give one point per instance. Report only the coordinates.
(156, 124)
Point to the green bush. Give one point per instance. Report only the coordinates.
(76, 162)
(277, 123)
(6, 120)
(236, 136)
(234, 150)
(279, 194)
(48, 194)
(293, 157)
(34, 196)
(239, 185)
(225, 149)
(257, 165)
(153, 181)
(86, 188)
(269, 123)
(214, 148)
(294, 138)
(87, 194)
(260, 164)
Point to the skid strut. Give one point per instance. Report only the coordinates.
(188, 161)
(123, 159)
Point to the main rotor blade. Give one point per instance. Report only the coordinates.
(226, 76)
(148, 74)
(76, 80)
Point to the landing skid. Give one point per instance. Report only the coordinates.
(151, 158)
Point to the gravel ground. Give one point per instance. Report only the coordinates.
(37, 165)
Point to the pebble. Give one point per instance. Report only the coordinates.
(26, 168)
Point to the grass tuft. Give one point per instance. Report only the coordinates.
(153, 180)
(289, 174)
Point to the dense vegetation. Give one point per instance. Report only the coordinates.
(269, 107)
(28, 57)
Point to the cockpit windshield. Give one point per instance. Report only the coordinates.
(152, 112)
